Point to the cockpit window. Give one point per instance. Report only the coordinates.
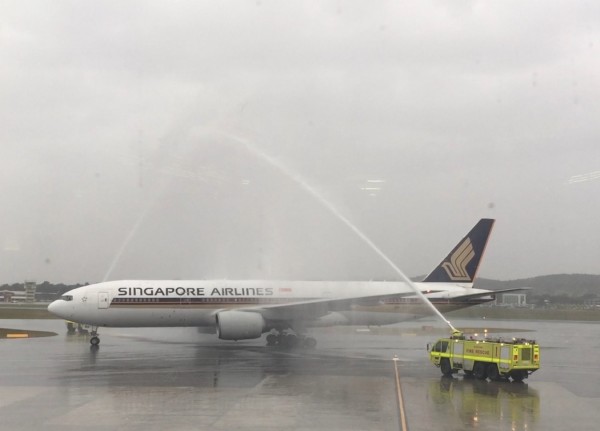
(67, 297)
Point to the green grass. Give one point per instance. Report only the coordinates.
(528, 314)
(25, 311)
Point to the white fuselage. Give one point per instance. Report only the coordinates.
(155, 303)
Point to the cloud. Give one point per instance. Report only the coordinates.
(111, 111)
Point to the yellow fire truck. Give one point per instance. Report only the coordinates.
(486, 358)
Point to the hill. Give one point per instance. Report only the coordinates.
(575, 285)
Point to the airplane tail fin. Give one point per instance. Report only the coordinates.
(462, 263)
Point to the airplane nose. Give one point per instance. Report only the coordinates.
(55, 307)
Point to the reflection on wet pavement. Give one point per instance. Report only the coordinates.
(152, 380)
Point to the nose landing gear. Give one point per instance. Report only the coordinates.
(95, 340)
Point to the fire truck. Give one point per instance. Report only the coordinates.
(493, 358)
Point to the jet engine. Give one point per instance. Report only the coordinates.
(239, 325)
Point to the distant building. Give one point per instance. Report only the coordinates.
(12, 296)
(513, 299)
(30, 289)
(6, 296)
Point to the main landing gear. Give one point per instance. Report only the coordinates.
(95, 340)
(290, 340)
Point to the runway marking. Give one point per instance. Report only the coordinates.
(402, 413)
(6, 333)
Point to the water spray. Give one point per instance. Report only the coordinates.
(314, 193)
(126, 241)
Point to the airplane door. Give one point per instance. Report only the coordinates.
(102, 300)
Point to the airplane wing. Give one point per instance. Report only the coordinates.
(464, 298)
(313, 309)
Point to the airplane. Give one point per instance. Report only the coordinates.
(247, 309)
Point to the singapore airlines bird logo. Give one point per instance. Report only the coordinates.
(456, 268)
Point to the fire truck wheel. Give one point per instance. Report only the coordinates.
(445, 367)
(479, 370)
(492, 372)
(518, 375)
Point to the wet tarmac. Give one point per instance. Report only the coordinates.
(177, 379)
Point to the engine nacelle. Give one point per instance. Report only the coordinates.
(239, 325)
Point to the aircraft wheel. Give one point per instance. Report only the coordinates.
(290, 340)
(94, 341)
(479, 370)
(445, 367)
(310, 343)
(271, 340)
(492, 372)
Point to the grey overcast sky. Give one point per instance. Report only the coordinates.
(122, 130)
